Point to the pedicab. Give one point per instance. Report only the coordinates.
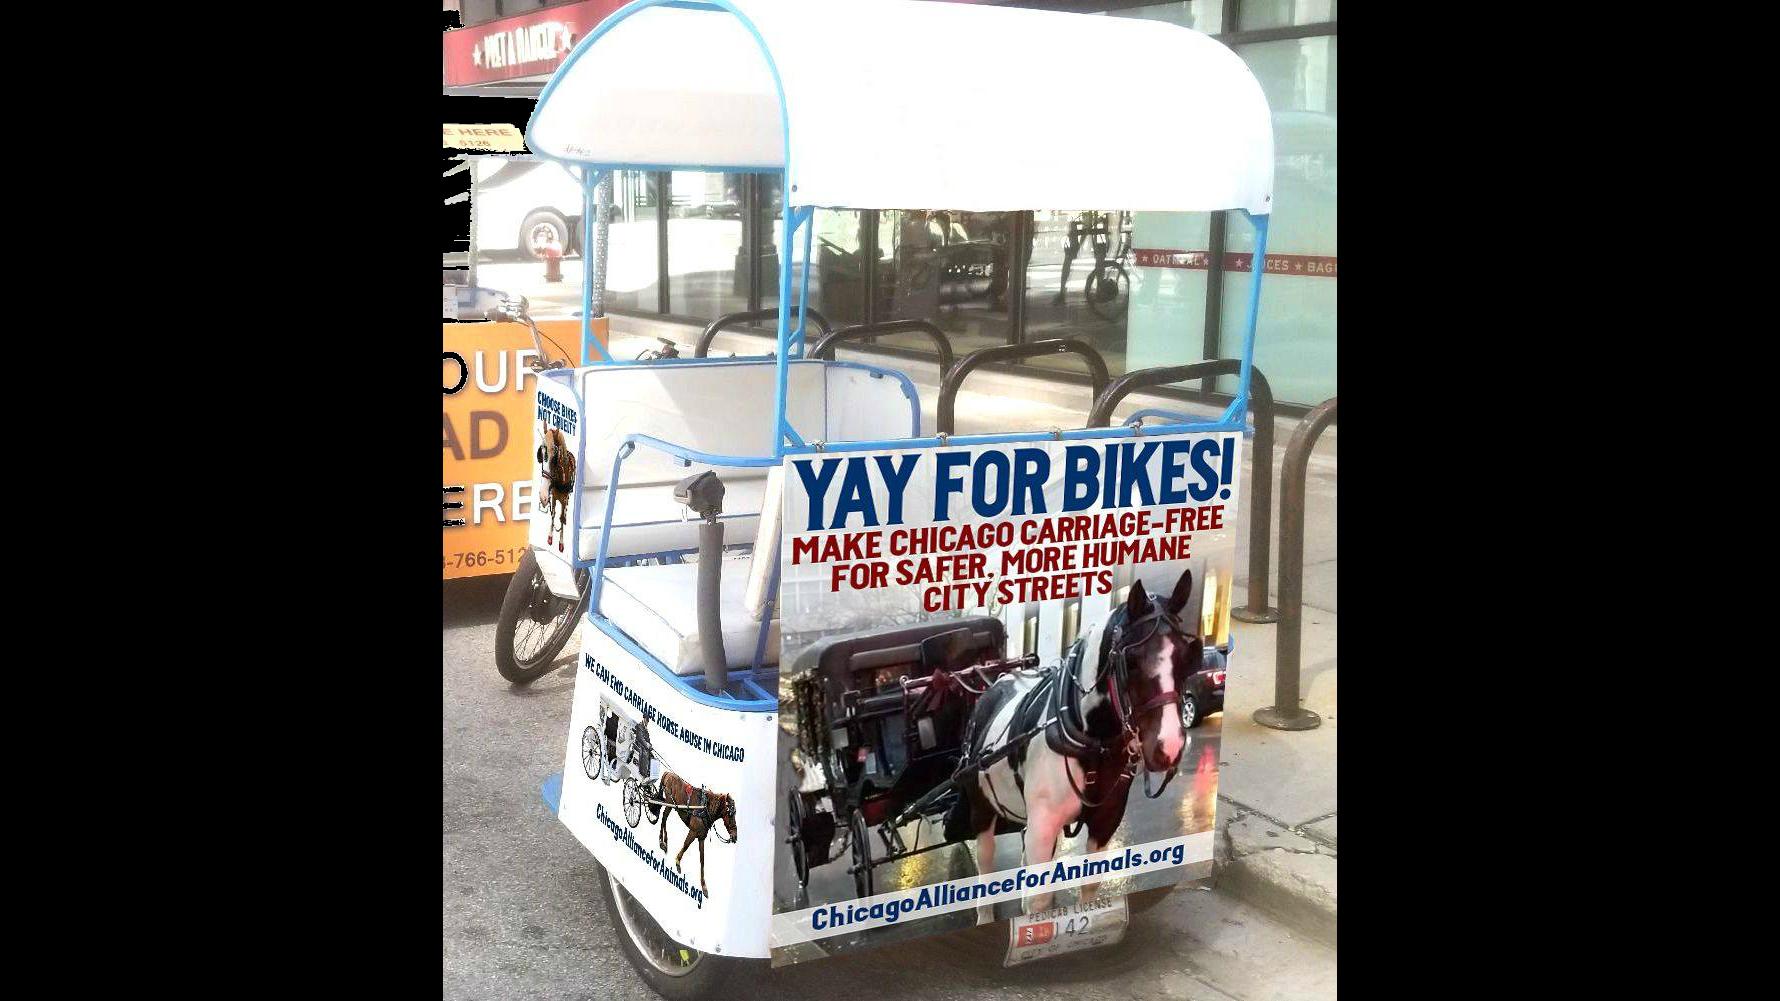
(688, 471)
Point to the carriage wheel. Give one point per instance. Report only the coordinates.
(633, 801)
(861, 853)
(591, 759)
(800, 859)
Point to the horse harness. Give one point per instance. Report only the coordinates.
(700, 811)
(704, 814)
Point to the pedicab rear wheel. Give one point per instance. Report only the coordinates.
(671, 969)
(534, 624)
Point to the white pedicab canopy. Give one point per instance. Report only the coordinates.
(909, 104)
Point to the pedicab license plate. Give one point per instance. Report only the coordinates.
(1066, 929)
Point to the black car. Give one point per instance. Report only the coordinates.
(1204, 693)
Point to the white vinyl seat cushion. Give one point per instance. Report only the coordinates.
(658, 607)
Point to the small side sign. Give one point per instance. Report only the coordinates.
(497, 138)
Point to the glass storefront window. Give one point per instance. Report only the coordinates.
(769, 219)
(1168, 282)
(1080, 281)
(837, 286)
(949, 268)
(707, 266)
(1132, 284)
(1202, 15)
(1295, 335)
(836, 282)
(1257, 14)
(631, 272)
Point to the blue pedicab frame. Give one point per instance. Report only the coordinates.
(744, 693)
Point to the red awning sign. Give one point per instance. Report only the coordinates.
(1309, 265)
(525, 45)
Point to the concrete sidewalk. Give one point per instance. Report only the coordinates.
(1276, 810)
(1276, 789)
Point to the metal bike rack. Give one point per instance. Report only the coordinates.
(751, 316)
(948, 390)
(871, 331)
(1261, 513)
(1285, 713)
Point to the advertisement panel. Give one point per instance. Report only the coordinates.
(674, 797)
(490, 467)
(556, 441)
(986, 652)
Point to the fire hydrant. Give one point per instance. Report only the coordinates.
(551, 252)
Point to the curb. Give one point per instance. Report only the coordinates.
(1288, 873)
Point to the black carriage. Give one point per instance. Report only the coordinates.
(882, 714)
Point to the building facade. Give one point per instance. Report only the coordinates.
(1144, 288)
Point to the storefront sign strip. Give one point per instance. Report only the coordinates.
(1308, 265)
(525, 45)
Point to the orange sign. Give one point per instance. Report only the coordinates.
(488, 439)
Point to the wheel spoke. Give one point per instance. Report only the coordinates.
(532, 636)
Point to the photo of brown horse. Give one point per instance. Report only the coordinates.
(699, 809)
(557, 470)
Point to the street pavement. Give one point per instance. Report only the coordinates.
(522, 917)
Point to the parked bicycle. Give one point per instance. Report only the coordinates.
(1108, 288)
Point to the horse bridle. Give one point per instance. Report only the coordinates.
(1118, 672)
(555, 466)
(556, 460)
(710, 819)
(1157, 617)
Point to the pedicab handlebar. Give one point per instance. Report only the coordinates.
(517, 309)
